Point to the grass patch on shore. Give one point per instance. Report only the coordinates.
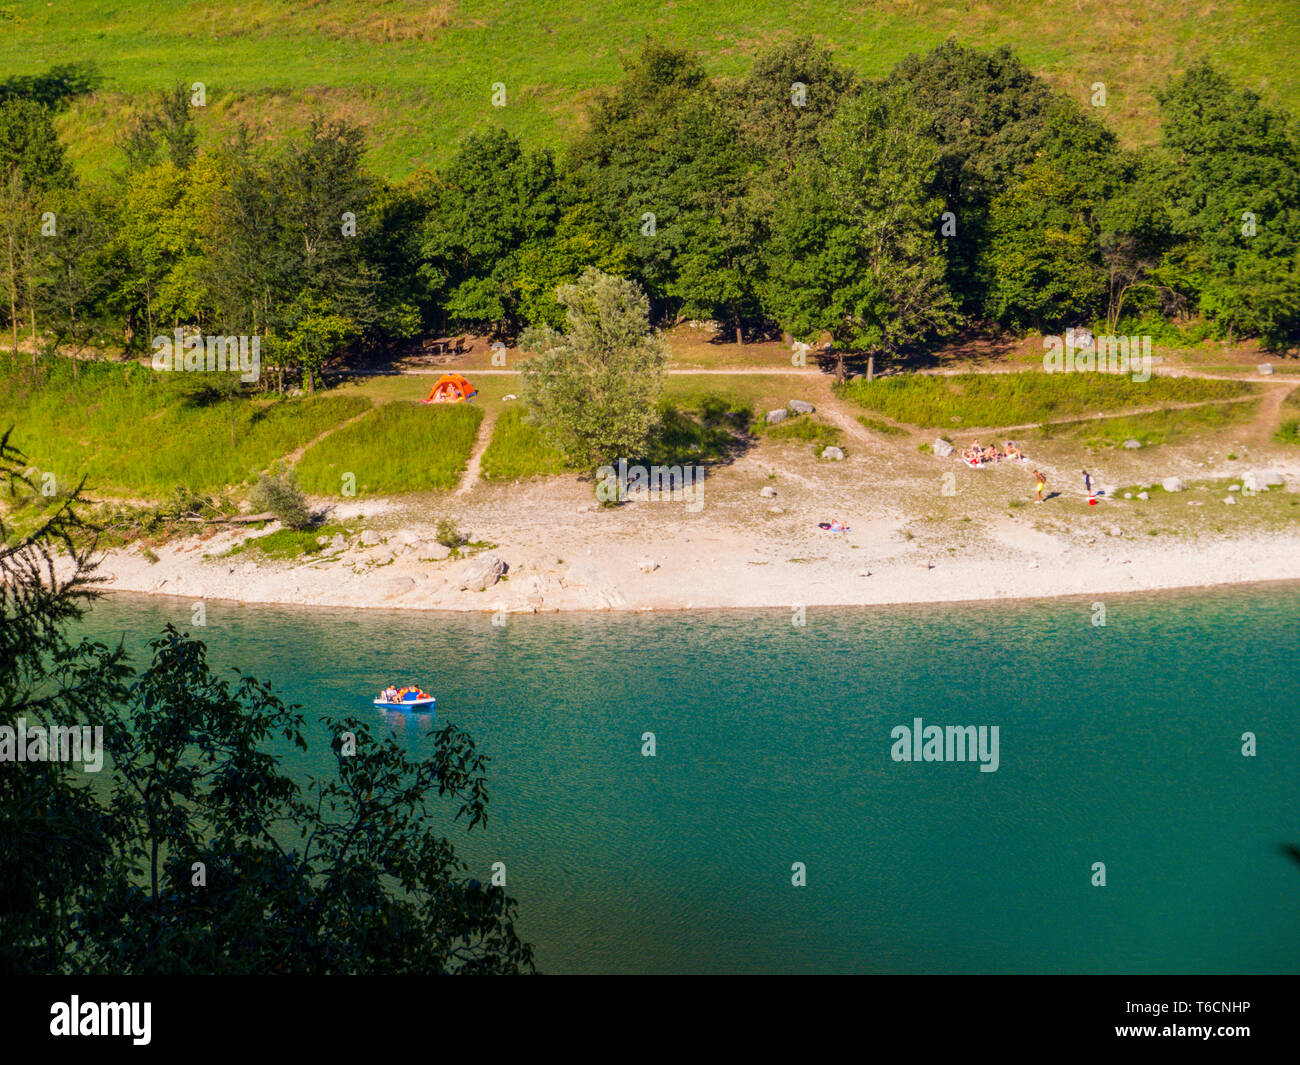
(1151, 429)
(519, 449)
(134, 432)
(991, 400)
(399, 447)
(881, 427)
(803, 428)
(1289, 431)
(289, 543)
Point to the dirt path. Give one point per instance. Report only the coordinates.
(1270, 414)
(470, 477)
(851, 426)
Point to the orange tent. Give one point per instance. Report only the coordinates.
(451, 388)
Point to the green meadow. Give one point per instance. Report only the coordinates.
(399, 447)
(1154, 428)
(991, 400)
(136, 433)
(519, 450)
(419, 74)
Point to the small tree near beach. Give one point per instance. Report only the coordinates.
(277, 492)
(594, 389)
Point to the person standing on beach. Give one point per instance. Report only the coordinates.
(1040, 482)
(1087, 482)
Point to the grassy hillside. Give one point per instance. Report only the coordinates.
(134, 432)
(418, 74)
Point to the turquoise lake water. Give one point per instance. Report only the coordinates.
(1119, 744)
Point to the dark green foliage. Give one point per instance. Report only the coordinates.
(493, 201)
(286, 261)
(30, 148)
(166, 130)
(855, 250)
(78, 270)
(1233, 166)
(659, 159)
(54, 89)
(987, 112)
(779, 121)
(201, 854)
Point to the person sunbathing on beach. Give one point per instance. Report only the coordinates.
(1013, 452)
(991, 454)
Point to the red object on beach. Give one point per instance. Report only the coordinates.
(1092, 501)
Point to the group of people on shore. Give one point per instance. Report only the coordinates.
(975, 455)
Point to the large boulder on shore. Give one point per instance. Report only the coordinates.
(1262, 480)
(942, 448)
(1172, 484)
(774, 416)
(481, 572)
(800, 406)
(396, 586)
(834, 454)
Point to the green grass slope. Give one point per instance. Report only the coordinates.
(135, 433)
(418, 74)
(400, 447)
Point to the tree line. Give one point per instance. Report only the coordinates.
(800, 198)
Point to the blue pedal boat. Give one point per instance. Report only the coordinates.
(411, 700)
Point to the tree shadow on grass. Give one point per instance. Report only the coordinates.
(201, 391)
(704, 437)
(710, 435)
